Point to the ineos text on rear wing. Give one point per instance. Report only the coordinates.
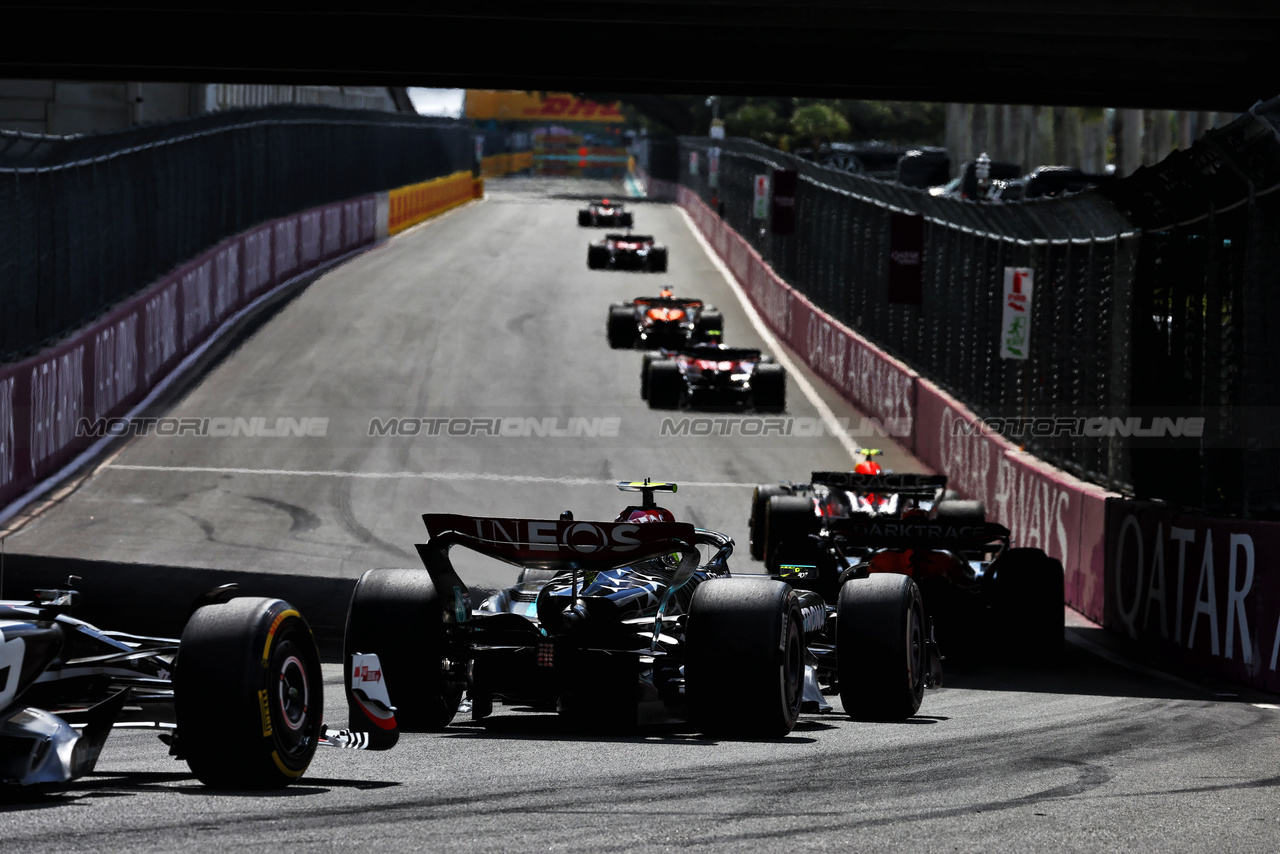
(559, 544)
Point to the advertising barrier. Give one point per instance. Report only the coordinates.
(1196, 589)
(108, 367)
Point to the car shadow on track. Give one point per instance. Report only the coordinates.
(551, 727)
(1093, 664)
(120, 785)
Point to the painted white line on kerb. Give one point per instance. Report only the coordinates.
(779, 352)
(408, 475)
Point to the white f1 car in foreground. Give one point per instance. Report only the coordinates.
(240, 696)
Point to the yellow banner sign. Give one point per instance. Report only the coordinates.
(533, 107)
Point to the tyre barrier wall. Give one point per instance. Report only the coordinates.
(496, 165)
(107, 368)
(410, 205)
(1042, 506)
(1196, 590)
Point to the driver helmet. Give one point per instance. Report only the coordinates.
(666, 292)
(649, 514)
(867, 467)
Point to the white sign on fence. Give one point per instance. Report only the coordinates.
(693, 163)
(760, 210)
(1015, 330)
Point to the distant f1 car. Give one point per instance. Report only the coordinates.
(973, 583)
(663, 321)
(788, 510)
(627, 252)
(605, 213)
(713, 376)
(240, 696)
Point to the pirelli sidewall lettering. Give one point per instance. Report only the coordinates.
(1203, 591)
(107, 367)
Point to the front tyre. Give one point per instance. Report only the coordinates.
(248, 694)
(398, 615)
(881, 651)
(744, 664)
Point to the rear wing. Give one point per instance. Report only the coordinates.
(718, 354)
(630, 238)
(910, 485)
(557, 543)
(892, 533)
(668, 302)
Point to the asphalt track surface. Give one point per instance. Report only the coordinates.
(491, 312)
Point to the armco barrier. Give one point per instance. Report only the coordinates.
(412, 204)
(1198, 590)
(1044, 507)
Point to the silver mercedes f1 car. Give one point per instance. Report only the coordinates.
(635, 621)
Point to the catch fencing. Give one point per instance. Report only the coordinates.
(88, 221)
(1155, 299)
(1081, 248)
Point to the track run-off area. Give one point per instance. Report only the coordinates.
(462, 367)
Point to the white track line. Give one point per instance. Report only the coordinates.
(779, 351)
(408, 475)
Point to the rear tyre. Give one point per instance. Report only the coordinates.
(788, 519)
(658, 259)
(756, 524)
(597, 257)
(769, 383)
(744, 666)
(622, 328)
(625, 220)
(398, 615)
(881, 652)
(584, 218)
(665, 384)
(248, 694)
(1029, 596)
